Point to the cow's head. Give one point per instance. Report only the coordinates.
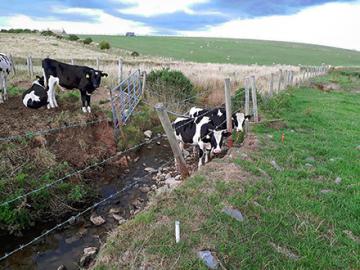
(217, 138)
(40, 81)
(239, 121)
(94, 78)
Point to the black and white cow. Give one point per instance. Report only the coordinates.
(201, 133)
(36, 96)
(5, 68)
(84, 78)
(218, 116)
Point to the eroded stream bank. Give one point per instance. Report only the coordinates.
(65, 246)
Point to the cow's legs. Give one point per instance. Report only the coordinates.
(51, 85)
(54, 92)
(54, 97)
(206, 156)
(5, 95)
(83, 100)
(88, 103)
(201, 153)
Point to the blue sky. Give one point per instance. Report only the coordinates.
(272, 19)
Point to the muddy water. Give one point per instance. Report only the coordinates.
(65, 246)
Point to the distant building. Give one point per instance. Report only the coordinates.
(130, 34)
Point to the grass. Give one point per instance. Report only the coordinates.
(287, 213)
(233, 51)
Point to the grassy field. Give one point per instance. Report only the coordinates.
(300, 216)
(234, 51)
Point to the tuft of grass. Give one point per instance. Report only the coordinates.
(15, 91)
(70, 96)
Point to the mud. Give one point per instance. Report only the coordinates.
(16, 119)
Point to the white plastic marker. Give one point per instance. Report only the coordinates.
(177, 231)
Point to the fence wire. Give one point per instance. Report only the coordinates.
(73, 218)
(30, 134)
(78, 172)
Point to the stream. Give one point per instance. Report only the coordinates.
(65, 246)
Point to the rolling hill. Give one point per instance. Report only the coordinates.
(234, 51)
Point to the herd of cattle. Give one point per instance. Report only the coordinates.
(206, 129)
(203, 128)
(55, 73)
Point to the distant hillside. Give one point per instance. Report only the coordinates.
(235, 51)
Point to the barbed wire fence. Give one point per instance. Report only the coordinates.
(285, 79)
(73, 218)
(31, 134)
(77, 172)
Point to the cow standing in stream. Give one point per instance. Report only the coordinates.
(67, 76)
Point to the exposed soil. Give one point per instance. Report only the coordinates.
(327, 87)
(277, 125)
(79, 146)
(16, 119)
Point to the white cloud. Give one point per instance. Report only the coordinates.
(333, 24)
(149, 8)
(103, 23)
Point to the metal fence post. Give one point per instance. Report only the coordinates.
(165, 122)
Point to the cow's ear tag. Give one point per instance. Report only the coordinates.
(87, 76)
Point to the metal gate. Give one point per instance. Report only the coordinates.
(124, 99)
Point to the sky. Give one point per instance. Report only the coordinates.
(332, 23)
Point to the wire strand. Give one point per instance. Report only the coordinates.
(73, 218)
(46, 186)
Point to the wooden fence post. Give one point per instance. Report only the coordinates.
(291, 77)
(97, 63)
(28, 65)
(279, 82)
(165, 122)
(254, 98)
(304, 75)
(143, 83)
(12, 64)
(247, 101)
(31, 67)
(286, 78)
(271, 87)
(120, 70)
(228, 110)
